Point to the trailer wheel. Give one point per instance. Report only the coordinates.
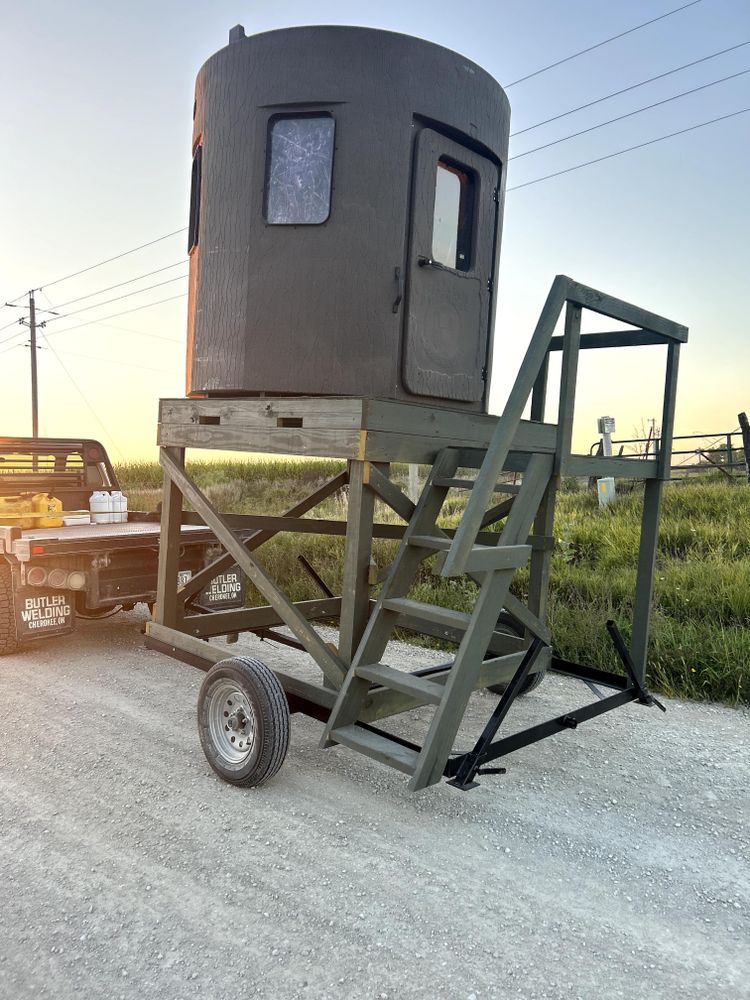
(8, 635)
(243, 721)
(505, 623)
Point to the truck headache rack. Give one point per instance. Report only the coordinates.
(70, 468)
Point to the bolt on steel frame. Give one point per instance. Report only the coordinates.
(357, 689)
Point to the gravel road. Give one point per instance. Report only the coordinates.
(609, 862)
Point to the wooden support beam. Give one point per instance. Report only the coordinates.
(250, 619)
(527, 618)
(668, 411)
(615, 338)
(745, 428)
(622, 468)
(541, 558)
(383, 702)
(507, 428)
(331, 665)
(168, 610)
(568, 381)
(524, 510)
(203, 577)
(389, 493)
(644, 585)
(625, 312)
(210, 653)
(278, 524)
(355, 606)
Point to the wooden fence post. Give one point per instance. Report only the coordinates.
(745, 428)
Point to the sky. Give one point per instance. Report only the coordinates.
(97, 102)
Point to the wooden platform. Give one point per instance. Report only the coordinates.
(360, 429)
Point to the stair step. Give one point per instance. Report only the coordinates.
(378, 747)
(439, 543)
(427, 612)
(398, 680)
(482, 558)
(468, 484)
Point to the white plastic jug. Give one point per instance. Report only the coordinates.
(99, 505)
(119, 507)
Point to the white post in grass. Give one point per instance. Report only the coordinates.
(605, 487)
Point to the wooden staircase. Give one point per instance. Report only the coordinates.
(543, 452)
(491, 566)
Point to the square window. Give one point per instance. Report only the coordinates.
(300, 166)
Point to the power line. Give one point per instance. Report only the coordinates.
(110, 288)
(611, 121)
(117, 298)
(125, 253)
(7, 340)
(629, 149)
(120, 329)
(83, 397)
(604, 41)
(124, 312)
(625, 90)
(124, 329)
(118, 361)
(91, 267)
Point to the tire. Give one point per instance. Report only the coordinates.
(243, 721)
(505, 623)
(8, 635)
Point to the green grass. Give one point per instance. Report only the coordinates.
(700, 636)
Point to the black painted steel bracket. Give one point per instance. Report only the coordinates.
(464, 768)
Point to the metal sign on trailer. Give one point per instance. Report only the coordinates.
(225, 592)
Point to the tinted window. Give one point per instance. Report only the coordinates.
(453, 216)
(195, 199)
(300, 164)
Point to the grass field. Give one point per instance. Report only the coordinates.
(700, 637)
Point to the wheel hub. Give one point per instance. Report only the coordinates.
(231, 722)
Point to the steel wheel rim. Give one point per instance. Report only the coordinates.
(231, 722)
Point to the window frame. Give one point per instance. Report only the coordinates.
(196, 183)
(296, 116)
(466, 222)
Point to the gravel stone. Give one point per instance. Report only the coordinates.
(610, 861)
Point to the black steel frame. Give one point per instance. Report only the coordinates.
(464, 768)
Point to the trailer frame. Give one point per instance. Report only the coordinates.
(371, 434)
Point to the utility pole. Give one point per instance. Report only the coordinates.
(34, 384)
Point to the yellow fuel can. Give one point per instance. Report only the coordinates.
(31, 510)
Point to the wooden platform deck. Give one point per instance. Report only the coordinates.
(360, 429)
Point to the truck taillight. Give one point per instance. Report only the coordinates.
(77, 580)
(37, 550)
(36, 576)
(57, 577)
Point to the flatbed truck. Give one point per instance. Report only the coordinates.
(52, 576)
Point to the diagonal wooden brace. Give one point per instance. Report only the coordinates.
(332, 667)
(204, 576)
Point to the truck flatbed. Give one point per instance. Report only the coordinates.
(74, 538)
(51, 575)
